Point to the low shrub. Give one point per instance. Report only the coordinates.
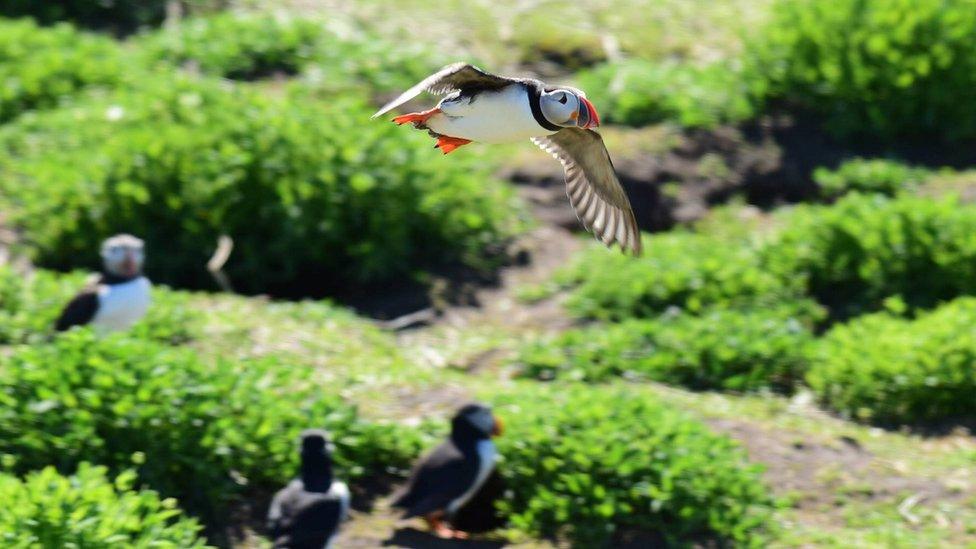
(31, 302)
(721, 349)
(117, 16)
(249, 46)
(879, 68)
(40, 67)
(889, 369)
(656, 471)
(868, 176)
(89, 510)
(638, 92)
(863, 249)
(685, 270)
(314, 195)
(203, 432)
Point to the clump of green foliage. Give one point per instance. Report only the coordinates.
(638, 92)
(853, 255)
(89, 510)
(685, 270)
(571, 476)
(40, 67)
(888, 369)
(238, 46)
(200, 431)
(739, 350)
(879, 176)
(247, 46)
(30, 303)
(880, 68)
(313, 197)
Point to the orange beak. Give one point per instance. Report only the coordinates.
(591, 119)
(499, 427)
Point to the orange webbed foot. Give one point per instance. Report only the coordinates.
(417, 118)
(448, 144)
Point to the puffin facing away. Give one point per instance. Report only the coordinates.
(495, 109)
(119, 297)
(307, 513)
(444, 480)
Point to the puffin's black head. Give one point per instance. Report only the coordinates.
(123, 255)
(474, 422)
(316, 455)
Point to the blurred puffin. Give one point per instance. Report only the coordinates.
(307, 513)
(443, 481)
(119, 297)
(495, 109)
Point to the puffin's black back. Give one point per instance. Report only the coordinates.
(446, 473)
(306, 514)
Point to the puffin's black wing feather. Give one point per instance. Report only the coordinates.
(79, 311)
(593, 188)
(452, 78)
(439, 478)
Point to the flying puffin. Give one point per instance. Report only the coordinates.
(307, 513)
(443, 481)
(119, 297)
(495, 109)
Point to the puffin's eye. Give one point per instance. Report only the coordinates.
(563, 99)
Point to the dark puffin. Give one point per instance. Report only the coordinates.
(119, 297)
(489, 108)
(447, 478)
(307, 513)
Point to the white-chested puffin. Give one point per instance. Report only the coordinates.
(495, 109)
(307, 513)
(119, 297)
(444, 480)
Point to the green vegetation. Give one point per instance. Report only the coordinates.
(885, 177)
(723, 349)
(640, 92)
(880, 68)
(313, 197)
(40, 67)
(890, 369)
(860, 251)
(89, 510)
(690, 271)
(656, 471)
(194, 429)
(120, 16)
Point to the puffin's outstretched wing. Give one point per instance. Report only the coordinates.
(593, 188)
(452, 78)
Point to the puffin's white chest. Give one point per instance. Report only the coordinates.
(121, 305)
(487, 455)
(489, 117)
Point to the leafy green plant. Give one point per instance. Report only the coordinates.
(638, 92)
(880, 68)
(30, 303)
(40, 67)
(725, 349)
(199, 431)
(889, 369)
(592, 465)
(117, 16)
(689, 271)
(313, 197)
(868, 176)
(246, 46)
(856, 253)
(89, 510)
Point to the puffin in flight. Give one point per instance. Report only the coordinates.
(495, 109)
(447, 478)
(307, 513)
(119, 297)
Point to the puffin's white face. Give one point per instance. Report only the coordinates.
(123, 255)
(568, 108)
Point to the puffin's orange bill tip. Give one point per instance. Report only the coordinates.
(499, 427)
(591, 110)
